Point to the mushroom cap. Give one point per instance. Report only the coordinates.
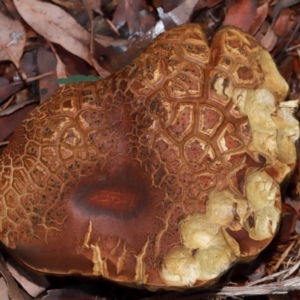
(162, 175)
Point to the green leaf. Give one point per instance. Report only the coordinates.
(77, 78)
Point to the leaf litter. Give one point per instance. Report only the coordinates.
(41, 41)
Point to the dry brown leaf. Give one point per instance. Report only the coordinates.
(258, 273)
(14, 292)
(69, 4)
(281, 5)
(10, 122)
(266, 36)
(56, 25)
(134, 13)
(46, 62)
(206, 3)
(101, 71)
(96, 6)
(12, 37)
(285, 22)
(107, 41)
(13, 108)
(8, 88)
(261, 15)
(86, 292)
(168, 5)
(33, 283)
(3, 290)
(61, 70)
(297, 227)
(181, 14)
(241, 14)
(294, 204)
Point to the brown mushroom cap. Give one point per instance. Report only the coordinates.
(163, 174)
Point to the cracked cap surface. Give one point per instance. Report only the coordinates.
(164, 174)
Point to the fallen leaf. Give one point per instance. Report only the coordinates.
(14, 292)
(84, 291)
(165, 19)
(168, 5)
(46, 62)
(33, 283)
(134, 13)
(258, 273)
(266, 36)
(72, 64)
(260, 17)
(297, 227)
(61, 69)
(96, 6)
(179, 15)
(3, 290)
(285, 22)
(9, 123)
(7, 88)
(12, 9)
(294, 204)
(206, 3)
(56, 25)
(294, 83)
(241, 14)
(286, 67)
(69, 4)
(12, 37)
(287, 226)
(281, 5)
(107, 41)
(13, 108)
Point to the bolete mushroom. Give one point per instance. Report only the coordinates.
(163, 175)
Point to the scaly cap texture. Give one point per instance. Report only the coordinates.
(163, 175)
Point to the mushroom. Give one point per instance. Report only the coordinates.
(162, 175)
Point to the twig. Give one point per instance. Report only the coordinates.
(272, 276)
(283, 256)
